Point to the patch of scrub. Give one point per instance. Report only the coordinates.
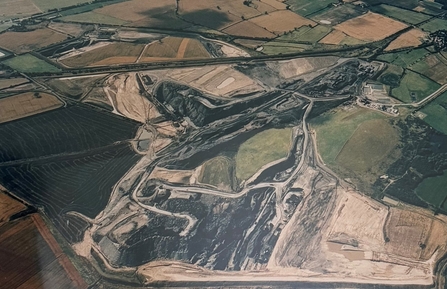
(263, 148)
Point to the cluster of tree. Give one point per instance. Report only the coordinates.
(423, 156)
(439, 39)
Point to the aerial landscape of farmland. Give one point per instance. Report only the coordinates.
(223, 144)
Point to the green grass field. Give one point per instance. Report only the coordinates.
(393, 69)
(408, 58)
(218, 172)
(392, 75)
(306, 7)
(29, 63)
(338, 14)
(371, 142)
(432, 190)
(434, 25)
(405, 58)
(414, 87)
(333, 130)
(276, 48)
(306, 34)
(408, 4)
(437, 113)
(433, 67)
(261, 149)
(92, 17)
(387, 57)
(408, 16)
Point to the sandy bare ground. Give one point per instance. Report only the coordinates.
(167, 128)
(173, 176)
(125, 94)
(67, 28)
(178, 271)
(160, 143)
(231, 51)
(296, 67)
(352, 249)
(220, 80)
(134, 35)
(366, 240)
(84, 49)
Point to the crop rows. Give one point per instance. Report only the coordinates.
(81, 183)
(69, 130)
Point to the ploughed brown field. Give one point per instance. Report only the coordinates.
(30, 257)
(145, 13)
(370, 27)
(174, 48)
(411, 38)
(247, 28)
(281, 21)
(115, 53)
(21, 42)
